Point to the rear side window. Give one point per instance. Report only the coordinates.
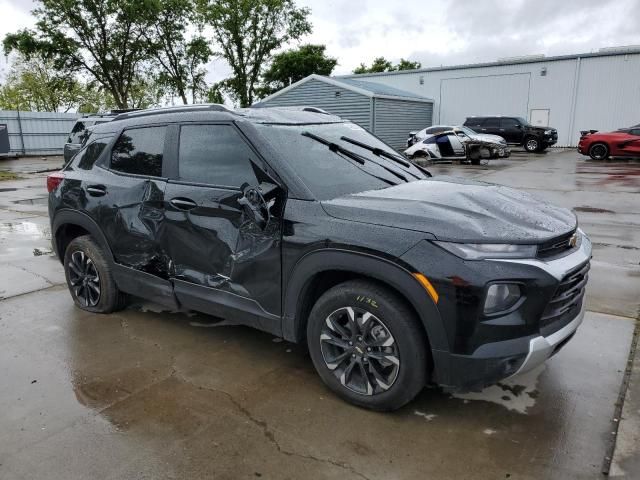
(139, 151)
(89, 154)
(491, 123)
(473, 122)
(509, 123)
(215, 155)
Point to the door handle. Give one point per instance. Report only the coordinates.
(96, 190)
(182, 203)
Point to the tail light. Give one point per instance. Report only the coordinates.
(54, 180)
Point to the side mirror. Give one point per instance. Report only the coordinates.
(519, 127)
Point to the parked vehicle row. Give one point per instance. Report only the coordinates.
(624, 142)
(306, 226)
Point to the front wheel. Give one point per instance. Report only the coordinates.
(367, 345)
(599, 151)
(531, 144)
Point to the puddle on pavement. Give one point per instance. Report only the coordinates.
(24, 239)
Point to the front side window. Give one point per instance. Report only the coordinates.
(139, 151)
(215, 155)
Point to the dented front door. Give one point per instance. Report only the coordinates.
(214, 244)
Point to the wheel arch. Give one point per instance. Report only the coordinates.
(69, 224)
(309, 279)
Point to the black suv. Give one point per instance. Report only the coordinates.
(516, 131)
(308, 227)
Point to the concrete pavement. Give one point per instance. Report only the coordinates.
(152, 394)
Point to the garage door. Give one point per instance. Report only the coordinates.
(489, 95)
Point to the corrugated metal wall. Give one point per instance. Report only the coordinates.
(600, 92)
(394, 119)
(336, 100)
(37, 133)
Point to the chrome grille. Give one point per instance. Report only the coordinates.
(556, 246)
(567, 300)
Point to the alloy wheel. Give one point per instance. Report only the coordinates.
(532, 145)
(360, 351)
(84, 279)
(598, 152)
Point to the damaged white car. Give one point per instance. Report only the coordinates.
(455, 144)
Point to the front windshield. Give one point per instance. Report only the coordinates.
(467, 131)
(522, 121)
(329, 173)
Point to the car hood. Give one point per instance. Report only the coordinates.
(455, 209)
(486, 137)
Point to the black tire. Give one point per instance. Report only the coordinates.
(85, 268)
(532, 144)
(395, 347)
(599, 151)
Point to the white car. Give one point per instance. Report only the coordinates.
(422, 134)
(456, 144)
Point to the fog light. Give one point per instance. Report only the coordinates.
(501, 296)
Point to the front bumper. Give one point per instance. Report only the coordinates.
(484, 350)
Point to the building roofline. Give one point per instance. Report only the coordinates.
(497, 63)
(347, 86)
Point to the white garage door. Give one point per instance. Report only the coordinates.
(489, 95)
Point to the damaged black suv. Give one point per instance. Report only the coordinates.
(305, 226)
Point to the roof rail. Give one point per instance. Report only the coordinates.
(213, 107)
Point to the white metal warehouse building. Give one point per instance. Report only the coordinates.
(571, 93)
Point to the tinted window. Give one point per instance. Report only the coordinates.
(509, 123)
(77, 134)
(491, 123)
(330, 174)
(88, 156)
(635, 131)
(477, 121)
(139, 151)
(214, 154)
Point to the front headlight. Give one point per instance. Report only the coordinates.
(548, 132)
(480, 251)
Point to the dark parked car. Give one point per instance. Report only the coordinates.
(306, 226)
(516, 131)
(81, 128)
(624, 142)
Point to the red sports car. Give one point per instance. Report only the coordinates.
(621, 143)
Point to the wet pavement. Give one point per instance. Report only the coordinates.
(151, 394)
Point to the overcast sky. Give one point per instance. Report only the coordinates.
(441, 32)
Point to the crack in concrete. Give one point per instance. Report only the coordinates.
(268, 433)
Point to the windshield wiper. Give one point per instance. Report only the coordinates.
(334, 147)
(378, 151)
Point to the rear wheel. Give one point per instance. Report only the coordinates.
(599, 151)
(367, 345)
(89, 277)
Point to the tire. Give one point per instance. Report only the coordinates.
(89, 277)
(391, 353)
(599, 151)
(531, 144)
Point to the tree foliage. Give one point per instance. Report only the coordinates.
(381, 64)
(35, 85)
(103, 39)
(247, 33)
(294, 65)
(179, 56)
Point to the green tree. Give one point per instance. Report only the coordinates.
(294, 65)
(179, 55)
(407, 65)
(381, 64)
(103, 39)
(35, 85)
(247, 33)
